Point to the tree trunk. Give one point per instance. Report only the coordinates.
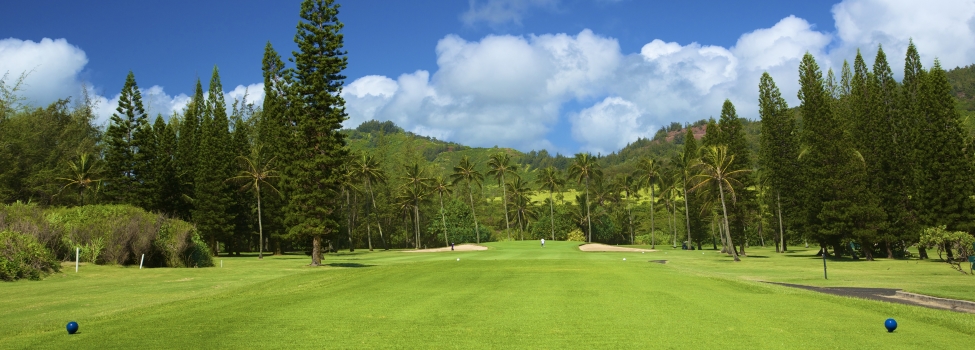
(629, 213)
(867, 253)
(416, 219)
(551, 211)
(922, 253)
(316, 250)
(673, 223)
(653, 227)
(588, 215)
(260, 226)
(443, 218)
(372, 196)
(890, 254)
(687, 211)
(725, 209)
(778, 202)
(349, 220)
(504, 201)
(714, 243)
(761, 237)
(477, 230)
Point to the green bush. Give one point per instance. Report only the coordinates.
(22, 256)
(109, 234)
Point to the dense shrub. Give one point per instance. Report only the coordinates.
(109, 234)
(22, 256)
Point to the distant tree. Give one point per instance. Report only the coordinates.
(521, 204)
(501, 165)
(466, 172)
(367, 169)
(313, 171)
(166, 191)
(256, 171)
(779, 147)
(275, 134)
(584, 169)
(122, 146)
(84, 174)
(549, 179)
(188, 151)
(946, 190)
(416, 186)
(214, 196)
(649, 170)
(441, 187)
(715, 169)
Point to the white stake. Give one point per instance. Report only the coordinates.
(77, 251)
(141, 260)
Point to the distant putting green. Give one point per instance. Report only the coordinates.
(514, 295)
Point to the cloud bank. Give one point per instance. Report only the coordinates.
(521, 91)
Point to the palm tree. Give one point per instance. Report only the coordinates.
(416, 185)
(500, 165)
(367, 169)
(441, 187)
(585, 168)
(714, 169)
(254, 173)
(465, 171)
(351, 191)
(84, 173)
(521, 201)
(624, 184)
(669, 182)
(550, 180)
(684, 162)
(650, 175)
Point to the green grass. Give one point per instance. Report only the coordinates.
(515, 295)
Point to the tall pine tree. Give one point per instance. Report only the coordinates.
(946, 189)
(187, 152)
(121, 185)
(314, 173)
(779, 152)
(274, 139)
(214, 196)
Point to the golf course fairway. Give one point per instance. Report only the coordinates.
(513, 295)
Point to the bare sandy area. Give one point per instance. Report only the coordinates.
(457, 248)
(597, 247)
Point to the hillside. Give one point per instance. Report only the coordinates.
(393, 140)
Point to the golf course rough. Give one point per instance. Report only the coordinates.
(513, 295)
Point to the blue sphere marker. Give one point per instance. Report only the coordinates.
(891, 325)
(72, 327)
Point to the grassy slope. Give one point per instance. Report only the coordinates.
(514, 295)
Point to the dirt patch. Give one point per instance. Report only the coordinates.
(457, 248)
(892, 296)
(597, 247)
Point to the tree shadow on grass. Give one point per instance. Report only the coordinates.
(354, 265)
(757, 256)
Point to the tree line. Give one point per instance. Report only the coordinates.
(864, 164)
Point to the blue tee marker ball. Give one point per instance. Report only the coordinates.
(891, 325)
(72, 327)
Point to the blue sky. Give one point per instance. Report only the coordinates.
(567, 75)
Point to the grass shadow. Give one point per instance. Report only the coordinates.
(353, 265)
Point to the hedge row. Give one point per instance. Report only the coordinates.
(108, 234)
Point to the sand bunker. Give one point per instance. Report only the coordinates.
(597, 247)
(457, 248)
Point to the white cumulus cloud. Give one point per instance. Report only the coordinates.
(51, 67)
(609, 125)
(513, 91)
